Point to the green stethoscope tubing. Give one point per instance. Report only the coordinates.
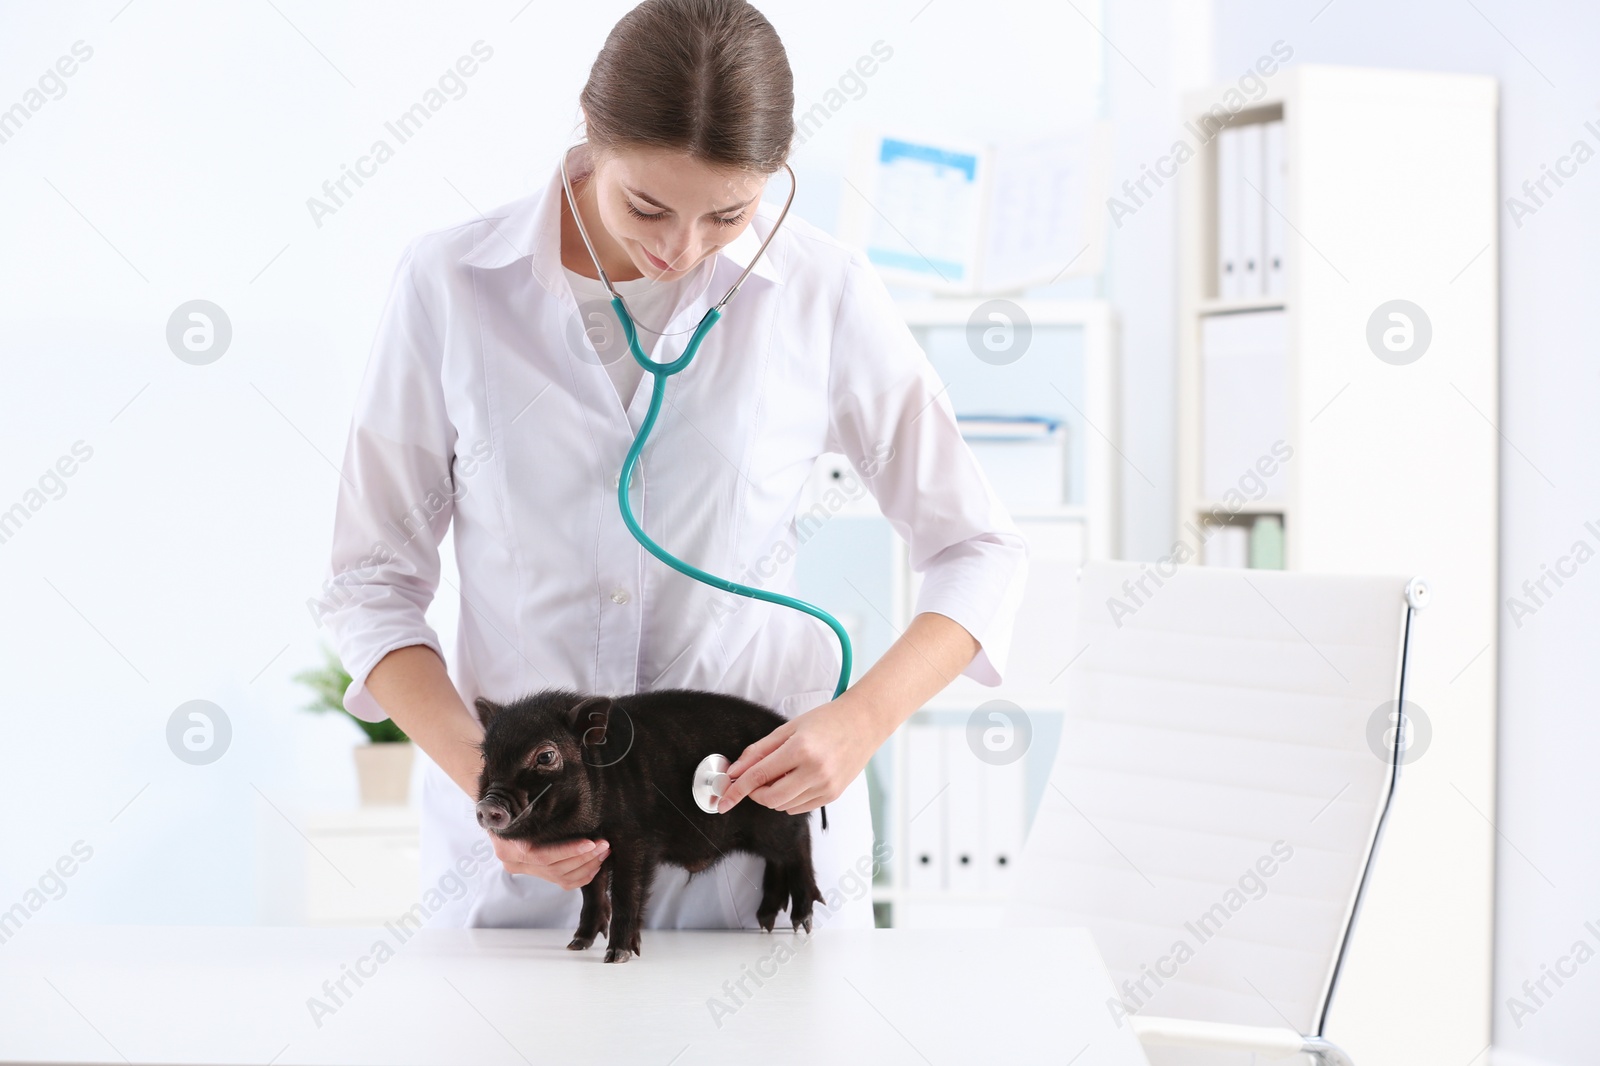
(658, 392)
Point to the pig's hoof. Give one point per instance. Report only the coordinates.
(618, 954)
(803, 923)
(581, 943)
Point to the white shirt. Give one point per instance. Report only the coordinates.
(481, 405)
(651, 303)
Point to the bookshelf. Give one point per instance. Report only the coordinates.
(856, 567)
(1389, 194)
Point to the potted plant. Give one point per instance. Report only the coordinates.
(383, 766)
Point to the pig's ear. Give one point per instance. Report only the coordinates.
(589, 718)
(487, 709)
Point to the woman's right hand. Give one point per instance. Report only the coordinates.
(571, 864)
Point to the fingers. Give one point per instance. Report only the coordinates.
(761, 749)
(809, 800)
(574, 865)
(549, 854)
(570, 864)
(765, 772)
(783, 793)
(523, 852)
(580, 873)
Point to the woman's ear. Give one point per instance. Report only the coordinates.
(487, 709)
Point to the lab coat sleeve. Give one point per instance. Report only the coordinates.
(890, 415)
(396, 496)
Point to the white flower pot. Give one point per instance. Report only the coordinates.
(383, 773)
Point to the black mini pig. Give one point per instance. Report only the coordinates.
(558, 766)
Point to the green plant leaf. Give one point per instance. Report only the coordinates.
(328, 684)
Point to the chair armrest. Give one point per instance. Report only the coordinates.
(1272, 1043)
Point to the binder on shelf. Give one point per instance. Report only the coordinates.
(1005, 808)
(965, 844)
(1007, 427)
(1251, 210)
(1274, 188)
(1229, 546)
(925, 808)
(1023, 456)
(1266, 542)
(1228, 276)
(1244, 404)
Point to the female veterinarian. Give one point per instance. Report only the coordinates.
(500, 395)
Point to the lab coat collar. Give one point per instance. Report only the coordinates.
(531, 227)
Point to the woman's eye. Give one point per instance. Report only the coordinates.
(657, 215)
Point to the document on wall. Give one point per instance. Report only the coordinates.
(962, 217)
(935, 198)
(1042, 221)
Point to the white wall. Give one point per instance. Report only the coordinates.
(1157, 52)
(177, 563)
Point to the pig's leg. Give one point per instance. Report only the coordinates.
(647, 877)
(774, 894)
(596, 915)
(630, 874)
(802, 879)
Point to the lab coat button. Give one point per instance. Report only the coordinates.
(619, 596)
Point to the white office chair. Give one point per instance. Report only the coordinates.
(1228, 755)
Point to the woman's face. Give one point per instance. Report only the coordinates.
(667, 210)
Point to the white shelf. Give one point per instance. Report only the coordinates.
(1253, 507)
(1390, 193)
(1056, 553)
(1228, 307)
(887, 894)
(364, 864)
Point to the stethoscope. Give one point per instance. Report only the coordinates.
(711, 778)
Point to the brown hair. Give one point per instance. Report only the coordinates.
(709, 77)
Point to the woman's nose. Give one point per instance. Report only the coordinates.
(493, 815)
(679, 258)
(674, 260)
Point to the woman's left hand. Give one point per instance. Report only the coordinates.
(806, 762)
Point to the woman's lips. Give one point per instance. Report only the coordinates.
(659, 264)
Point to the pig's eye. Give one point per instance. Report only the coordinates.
(545, 757)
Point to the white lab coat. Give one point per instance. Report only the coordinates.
(481, 406)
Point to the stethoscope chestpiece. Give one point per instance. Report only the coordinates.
(711, 780)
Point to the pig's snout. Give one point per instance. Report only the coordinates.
(492, 814)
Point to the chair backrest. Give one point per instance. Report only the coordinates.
(1228, 748)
